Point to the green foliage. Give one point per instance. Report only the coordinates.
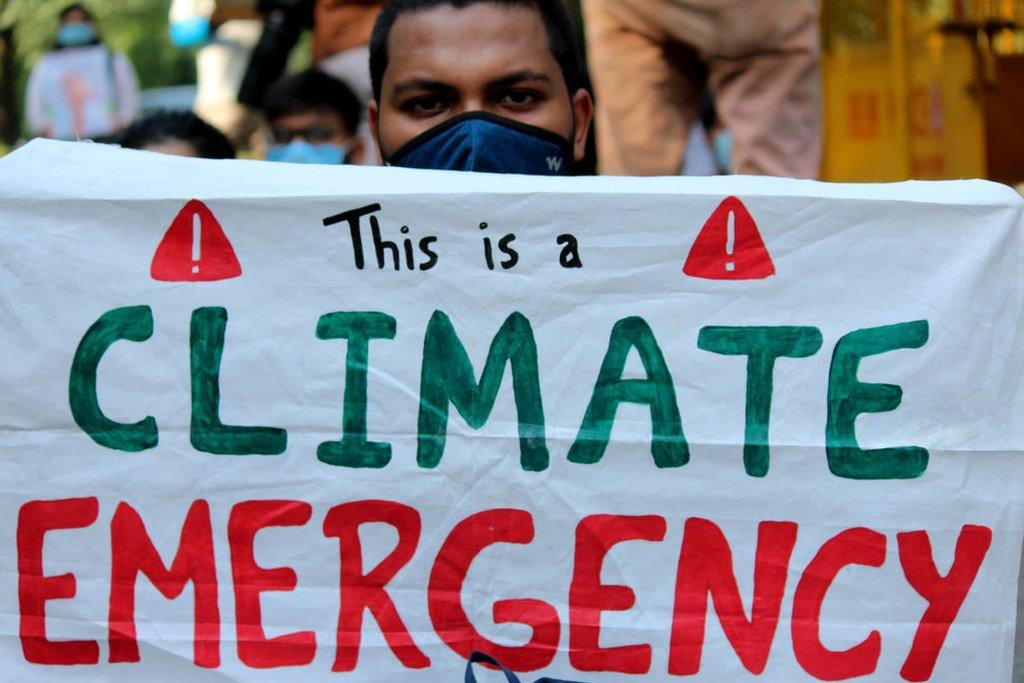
(138, 28)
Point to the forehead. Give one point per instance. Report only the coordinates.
(75, 15)
(469, 46)
(305, 118)
(172, 146)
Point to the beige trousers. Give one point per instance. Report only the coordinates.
(651, 60)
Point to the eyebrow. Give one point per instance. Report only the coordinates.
(420, 84)
(519, 77)
(435, 86)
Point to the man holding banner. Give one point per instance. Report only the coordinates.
(772, 434)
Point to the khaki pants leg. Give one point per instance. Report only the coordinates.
(764, 70)
(647, 91)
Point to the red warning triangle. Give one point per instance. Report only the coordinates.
(729, 246)
(194, 249)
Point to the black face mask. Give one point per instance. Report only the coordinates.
(479, 141)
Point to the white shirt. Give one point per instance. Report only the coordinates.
(81, 92)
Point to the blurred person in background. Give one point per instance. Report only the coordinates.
(651, 61)
(180, 133)
(341, 41)
(80, 88)
(313, 118)
(225, 33)
(340, 33)
(341, 48)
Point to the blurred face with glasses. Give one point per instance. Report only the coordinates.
(313, 136)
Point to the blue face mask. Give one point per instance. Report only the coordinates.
(302, 152)
(479, 141)
(76, 33)
(190, 32)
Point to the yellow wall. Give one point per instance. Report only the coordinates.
(902, 101)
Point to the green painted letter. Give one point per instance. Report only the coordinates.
(668, 444)
(848, 398)
(447, 377)
(134, 323)
(208, 433)
(761, 346)
(353, 450)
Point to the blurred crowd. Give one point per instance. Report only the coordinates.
(695, 87)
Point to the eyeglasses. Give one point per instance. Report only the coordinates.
(282, 136)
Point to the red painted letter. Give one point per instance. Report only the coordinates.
(132, 552)
(444, 593)
(361, 591)
(254, 648)
(944, 594)
(705, 566)
(853, 546)
(34, 590)
(588, 597)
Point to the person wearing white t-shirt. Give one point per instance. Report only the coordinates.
(80, 89)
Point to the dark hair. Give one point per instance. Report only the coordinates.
(312, 89)
(207, 141)
(76, 6)
(561, 34)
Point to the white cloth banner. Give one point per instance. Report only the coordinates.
(269, 422)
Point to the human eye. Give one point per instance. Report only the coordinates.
(518, 98)
(426, 106)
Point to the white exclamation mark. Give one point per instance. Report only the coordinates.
(730, 240)
(197, 241)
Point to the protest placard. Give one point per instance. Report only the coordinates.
(271, 422)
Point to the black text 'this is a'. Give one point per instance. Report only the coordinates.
(399, 254)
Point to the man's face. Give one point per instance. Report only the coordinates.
(486, 57)
(317, 127)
